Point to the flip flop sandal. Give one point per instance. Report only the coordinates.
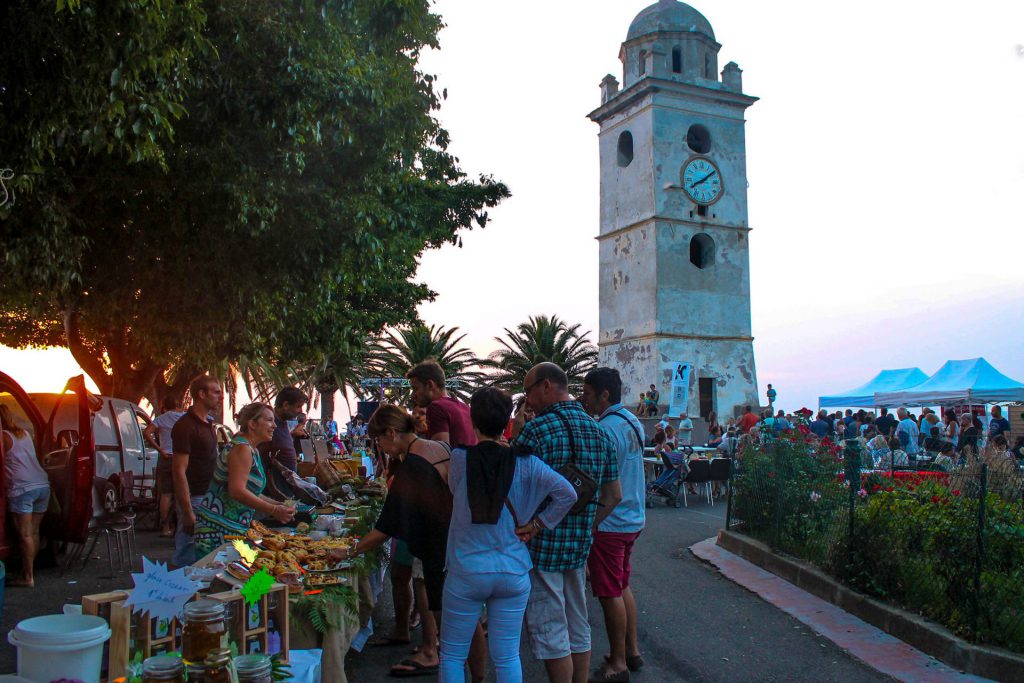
(633, 663)
(415, 669)
(605, 675)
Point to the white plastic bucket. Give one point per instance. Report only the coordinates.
(60, 646)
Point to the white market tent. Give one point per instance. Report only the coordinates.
(864, 395)
(959, 382)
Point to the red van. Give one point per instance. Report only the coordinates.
(66, 452)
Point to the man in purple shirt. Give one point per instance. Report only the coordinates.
(281, 447)
(447, 417)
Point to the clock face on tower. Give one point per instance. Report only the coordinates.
(702, 180)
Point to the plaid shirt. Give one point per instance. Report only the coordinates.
(568, 544)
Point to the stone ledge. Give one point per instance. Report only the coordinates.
(912, 629)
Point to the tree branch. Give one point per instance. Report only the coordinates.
(89, 360)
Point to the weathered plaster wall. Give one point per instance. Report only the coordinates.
(647, 361)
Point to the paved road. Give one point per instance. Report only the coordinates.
(694, 624)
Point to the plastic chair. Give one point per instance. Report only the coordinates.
(700, 473)
(720, 469)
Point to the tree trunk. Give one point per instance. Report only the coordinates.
(327, 406)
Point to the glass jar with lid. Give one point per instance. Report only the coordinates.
(216, 668)
(205, 629)
(163, 669)
(254, 669)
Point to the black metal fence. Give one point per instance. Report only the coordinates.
(947, 545)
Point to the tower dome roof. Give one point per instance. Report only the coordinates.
(669, 15)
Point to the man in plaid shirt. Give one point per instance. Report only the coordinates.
(556, 615)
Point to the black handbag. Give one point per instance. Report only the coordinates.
(584, 484)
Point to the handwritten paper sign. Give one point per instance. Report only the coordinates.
(160, 592)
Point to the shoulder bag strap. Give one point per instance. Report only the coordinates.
(632, 426)
(568, 431)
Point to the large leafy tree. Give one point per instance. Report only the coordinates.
(399, 350)
(538, 340)
(279, 218)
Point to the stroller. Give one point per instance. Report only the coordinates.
(669, 483)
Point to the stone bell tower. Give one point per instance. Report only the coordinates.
(675, 271)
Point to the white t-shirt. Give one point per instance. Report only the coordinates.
(164, 424)
(21, 467)
(686, 432)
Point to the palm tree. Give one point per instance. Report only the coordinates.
(541, 339)
(341, 370)
(397, 353)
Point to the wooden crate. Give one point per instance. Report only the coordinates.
(249, 625)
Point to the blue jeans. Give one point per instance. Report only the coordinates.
(184, 545)
(464, 596)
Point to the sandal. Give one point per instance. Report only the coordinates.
(415, 669)
(633, 662)
(606, 675)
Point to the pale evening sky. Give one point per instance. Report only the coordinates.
(885, 163)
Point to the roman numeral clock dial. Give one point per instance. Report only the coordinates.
(702, 180)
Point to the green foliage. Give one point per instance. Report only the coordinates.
(103, 81)
(789, 495)
(917, 543)
(399, 351)
(273, 206)
(327, 608)
(541, 339)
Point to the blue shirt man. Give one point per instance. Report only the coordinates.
(609, 559)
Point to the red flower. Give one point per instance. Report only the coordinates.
(874, 489)
(771, 475)
(956, 492)
(888, 489)
(803, 429)
(935, 499)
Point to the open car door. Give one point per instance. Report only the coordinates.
(69, 462)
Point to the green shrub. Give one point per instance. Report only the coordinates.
(913, 543)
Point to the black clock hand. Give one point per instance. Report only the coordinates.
(698, 182)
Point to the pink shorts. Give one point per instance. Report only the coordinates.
(609, 562)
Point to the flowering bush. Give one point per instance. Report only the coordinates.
(788, 494)
(914, 539)
(917, 546)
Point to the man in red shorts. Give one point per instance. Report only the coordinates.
(618, 528)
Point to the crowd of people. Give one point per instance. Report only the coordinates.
(214, 488)
(944, 441)
(498, 512)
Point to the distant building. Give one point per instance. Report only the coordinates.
(675, 267)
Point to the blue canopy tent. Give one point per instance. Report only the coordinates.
(959, 382)
(864, 396)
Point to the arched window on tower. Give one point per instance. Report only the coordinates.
(702, 251)
(625, 149)
(677, 60)
(708, 71)
(641, 68)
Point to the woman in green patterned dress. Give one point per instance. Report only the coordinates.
(234, 496)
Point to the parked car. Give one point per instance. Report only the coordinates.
(85, 443)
